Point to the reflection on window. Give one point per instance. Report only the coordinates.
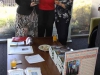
(7, 18)
(81, 17)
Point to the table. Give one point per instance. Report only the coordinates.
(47, 67)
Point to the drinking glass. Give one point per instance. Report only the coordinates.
(13, 64)
(54, 38)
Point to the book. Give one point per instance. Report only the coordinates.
(18, 49)
(13, 44)
(21, 41)
(18, 39)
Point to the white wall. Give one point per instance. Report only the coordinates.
(95, 12)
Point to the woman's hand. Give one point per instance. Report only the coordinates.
(57, 2)
(33, 4)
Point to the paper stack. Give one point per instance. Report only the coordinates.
(16, 72)
(34, 59)
(18, 49)
(20, 41)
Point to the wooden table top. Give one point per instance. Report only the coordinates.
(47, 67)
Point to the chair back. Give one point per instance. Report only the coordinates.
(93, 23)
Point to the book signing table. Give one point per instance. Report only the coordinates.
(45, 57)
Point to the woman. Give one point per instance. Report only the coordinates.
(62, 19)
(46, 18)
(26, 19)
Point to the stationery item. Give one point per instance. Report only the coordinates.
(18, 49)
(16, 72)
(21, 41)
(34, 59)
(14, 44)
(18, 39)
(33, 71)
(21, 50)
(18, 61)
(28, 41)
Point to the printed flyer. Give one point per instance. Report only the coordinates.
(80, 62)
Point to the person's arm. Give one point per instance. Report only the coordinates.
(18, 2)
(68, 5)
(23, 2)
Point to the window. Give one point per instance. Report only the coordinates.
(81, 15)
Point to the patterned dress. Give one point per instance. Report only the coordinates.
(62, 20)
(64, 13)
(26, 25)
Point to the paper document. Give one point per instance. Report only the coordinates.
(81, 62)
(16, 43)
(33, 71)
(18, 49)
(21, 50)
(16, 72)
(34, 59)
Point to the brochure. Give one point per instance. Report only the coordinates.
(34, 59)
(16, 72)
(18, 49)
(33, 71)
(18, 39)
(80, 62)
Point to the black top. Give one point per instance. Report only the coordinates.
(24, 7)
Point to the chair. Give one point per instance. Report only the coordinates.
(92, 37)
(93, 23)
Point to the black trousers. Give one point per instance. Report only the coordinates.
(62, 30)
(45, 23)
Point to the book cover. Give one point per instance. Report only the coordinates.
(18, 39)
(80, 62)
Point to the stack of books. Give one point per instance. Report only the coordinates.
(20, 41)
(19, 45)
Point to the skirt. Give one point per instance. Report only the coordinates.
(26, 25)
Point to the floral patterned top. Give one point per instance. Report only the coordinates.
(60, 12)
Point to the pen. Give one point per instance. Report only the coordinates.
(24, 48)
